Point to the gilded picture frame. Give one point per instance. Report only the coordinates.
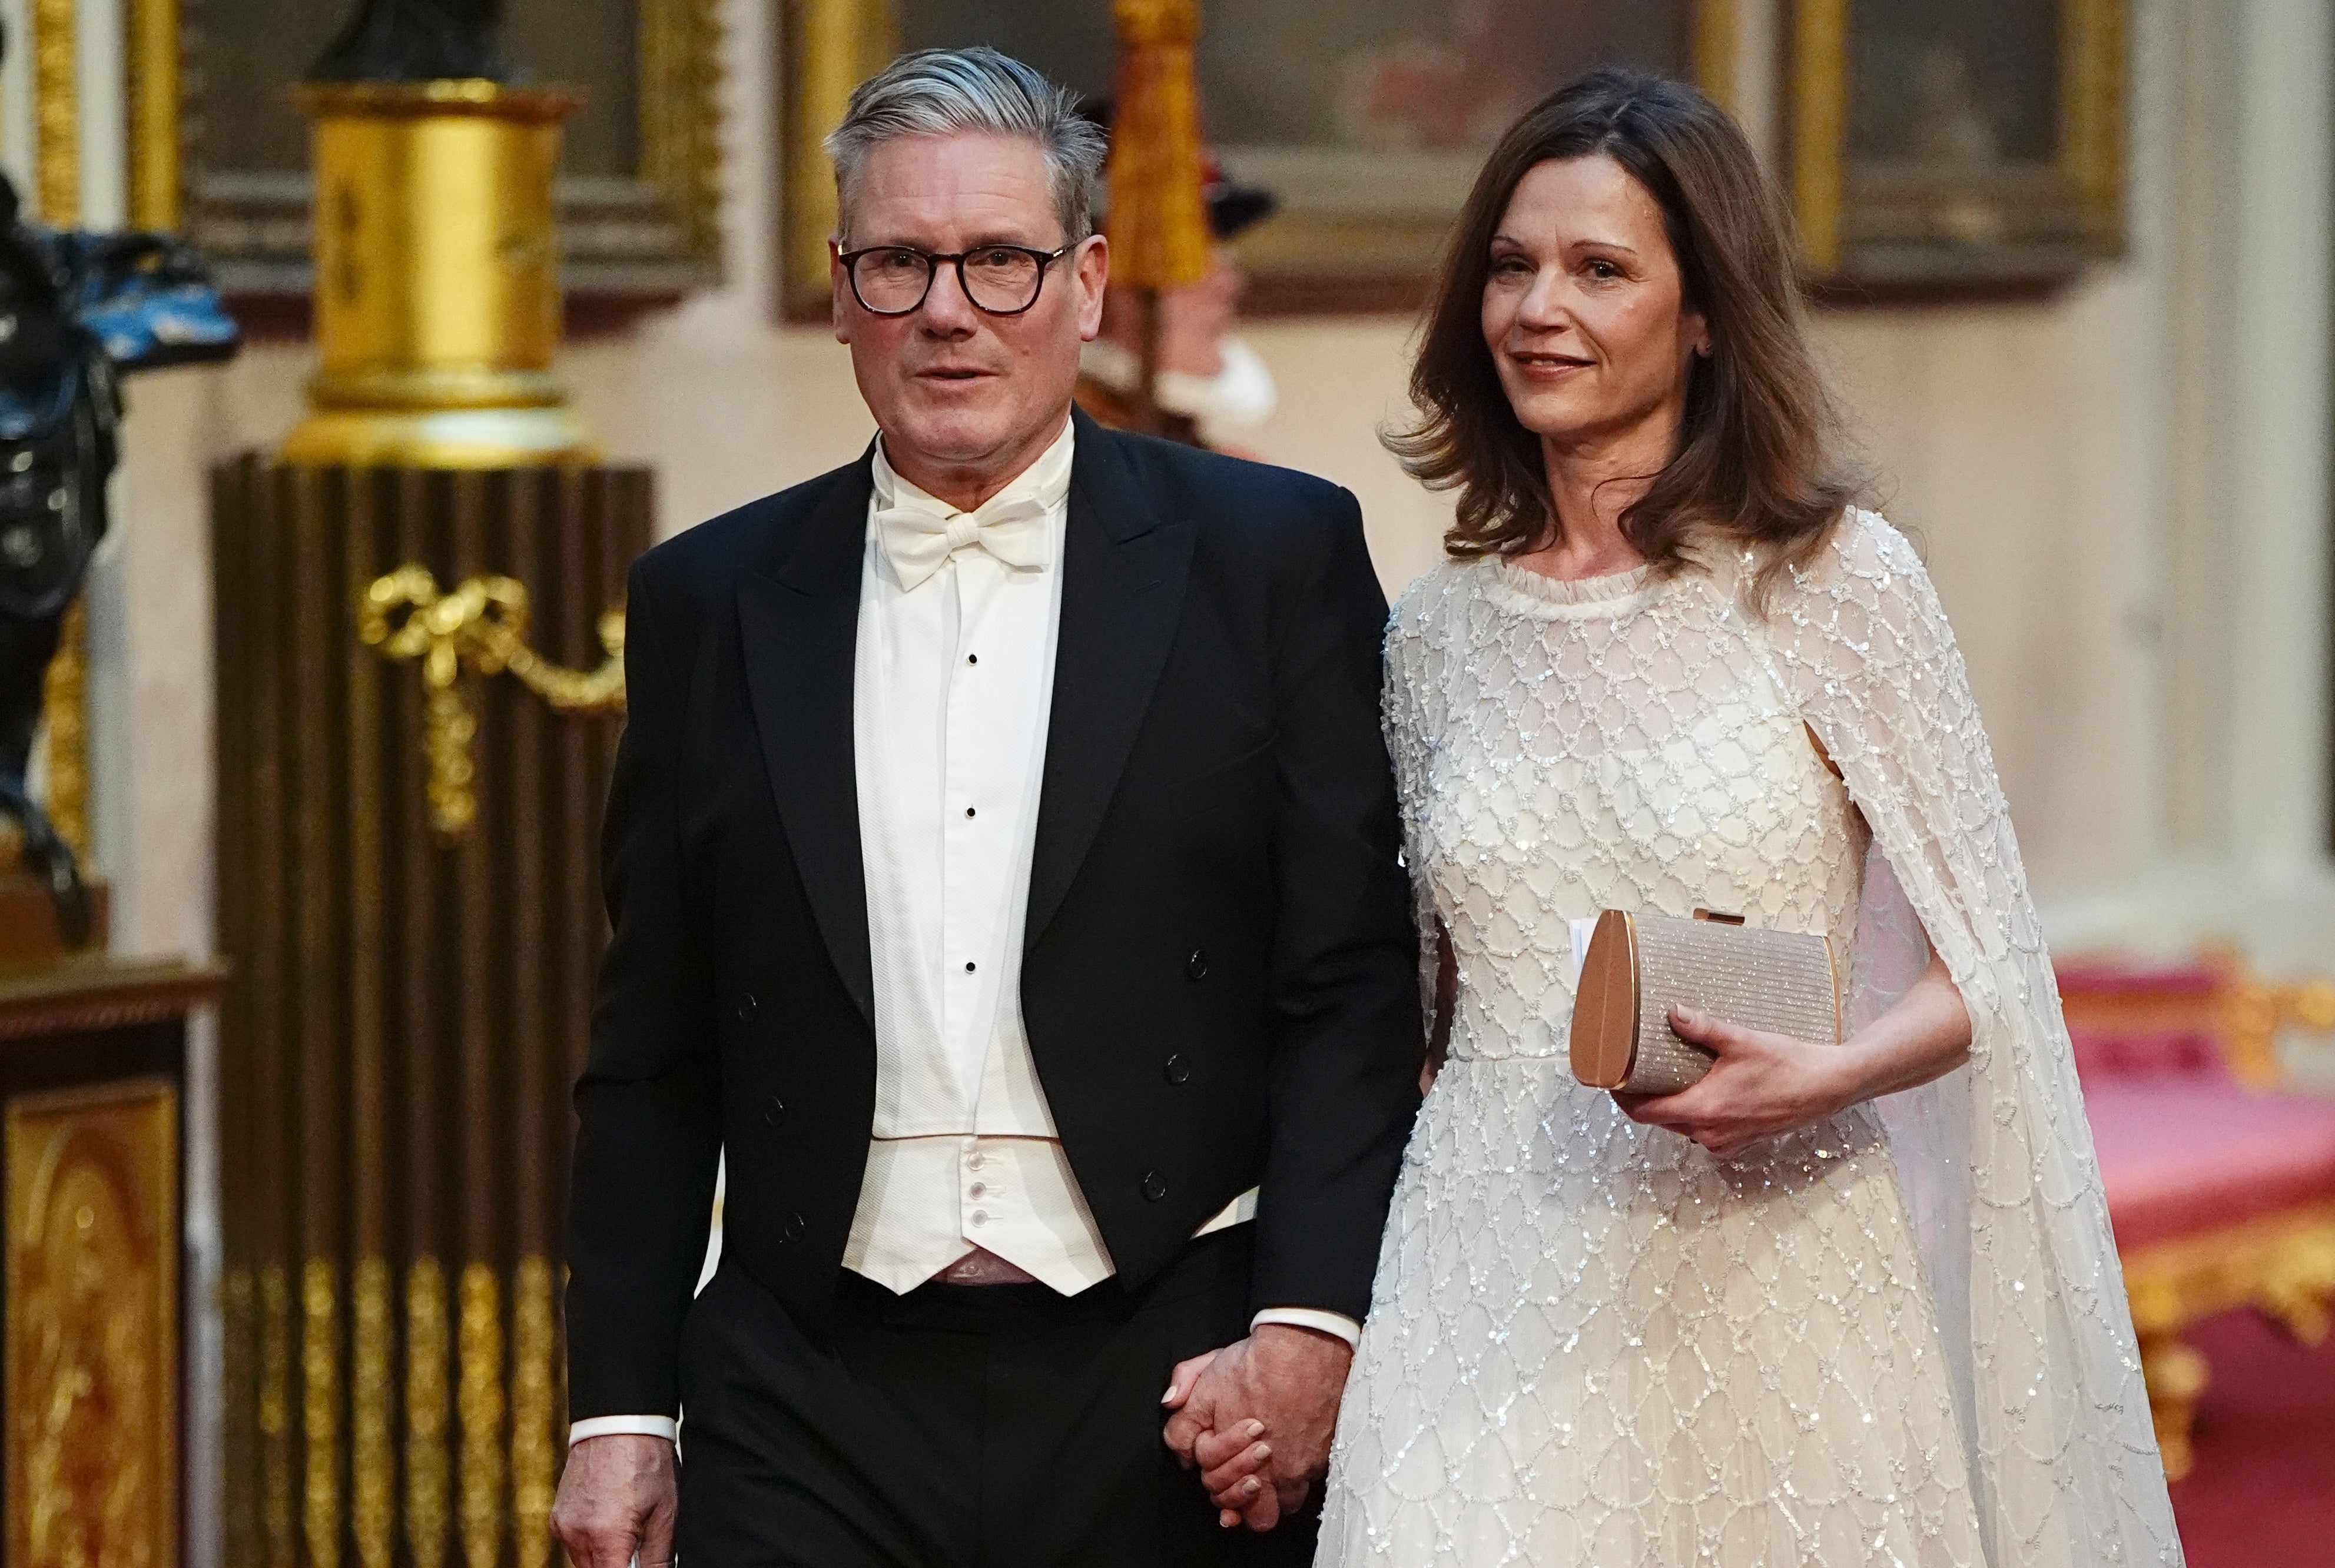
(651, 228)
(1931, 152)
(1347, 237)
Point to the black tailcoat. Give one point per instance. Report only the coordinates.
(1219, 979)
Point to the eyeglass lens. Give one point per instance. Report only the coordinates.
(894, 281)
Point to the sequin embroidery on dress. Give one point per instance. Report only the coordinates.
(1591, 1342)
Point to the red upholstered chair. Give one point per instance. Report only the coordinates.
(2221, 1181)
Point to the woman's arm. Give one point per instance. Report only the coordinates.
(1766, 1084)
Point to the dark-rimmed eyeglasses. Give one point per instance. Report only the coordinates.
(1001, 279)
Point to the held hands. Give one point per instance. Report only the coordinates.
(1255, 1419)
(1761, 1085)
(617, 1498)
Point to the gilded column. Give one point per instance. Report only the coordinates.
(57, 110)
(156, 105)
(56, 129)
(408, 1003)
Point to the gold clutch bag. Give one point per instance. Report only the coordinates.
(1639, 967)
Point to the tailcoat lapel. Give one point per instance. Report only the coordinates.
(798, 629)
(1124, 567)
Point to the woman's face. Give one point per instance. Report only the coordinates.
(1584, 312)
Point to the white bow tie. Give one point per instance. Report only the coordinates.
(918, 541)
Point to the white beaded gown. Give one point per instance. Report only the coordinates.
(1591, 1342)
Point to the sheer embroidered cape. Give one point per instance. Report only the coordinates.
(1995, 1159)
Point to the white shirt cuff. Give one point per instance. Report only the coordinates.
(1337, 1324)
(637, 1425)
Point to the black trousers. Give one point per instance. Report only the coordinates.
(957, 1427)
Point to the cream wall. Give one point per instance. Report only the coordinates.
(2053, 458)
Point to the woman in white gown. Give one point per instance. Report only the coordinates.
(1833, 1305)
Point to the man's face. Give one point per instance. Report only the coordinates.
(955, 389)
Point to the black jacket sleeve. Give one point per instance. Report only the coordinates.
(649, 1135)
(1344, 984)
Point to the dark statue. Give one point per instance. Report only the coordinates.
(418, 41)
(77, 310)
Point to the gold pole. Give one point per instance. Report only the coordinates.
(154, 109)
(1819, 121)
(56, 111)
(1718, 53)
(56, 114)
(833, 46)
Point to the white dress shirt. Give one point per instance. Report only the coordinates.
(952, 689)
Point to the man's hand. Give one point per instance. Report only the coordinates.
(1257, 1417)
(618, 1497)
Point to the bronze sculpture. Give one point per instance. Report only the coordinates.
(418, 41)
(77, 311)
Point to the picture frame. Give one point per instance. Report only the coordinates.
(1939, 151)
(1358, 229)
(642, 219)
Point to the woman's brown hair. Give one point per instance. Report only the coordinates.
(1753, 455)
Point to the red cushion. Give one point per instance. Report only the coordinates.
(2183, 1155)
(2118, 977)
(2148, 1053)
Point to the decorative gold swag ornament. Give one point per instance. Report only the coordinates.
(481, 623)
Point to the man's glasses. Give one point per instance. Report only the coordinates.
(1001, 279)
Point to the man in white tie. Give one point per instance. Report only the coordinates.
(1001, 867)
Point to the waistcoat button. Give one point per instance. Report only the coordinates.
(746, 1008)
(1155, 1186)
(1197, 966)
(1178, 1070)
(774, 1112)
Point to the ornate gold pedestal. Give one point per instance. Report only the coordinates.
(437, 298)
(407, 889)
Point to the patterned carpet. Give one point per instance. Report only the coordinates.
(2262, 1492)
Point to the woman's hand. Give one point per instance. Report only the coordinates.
(1761, 1085)
(1765, 1084)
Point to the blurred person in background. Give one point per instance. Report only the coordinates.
(1207, 374)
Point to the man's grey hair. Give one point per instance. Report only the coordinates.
(944, 91)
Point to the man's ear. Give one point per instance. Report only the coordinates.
(1091, 267)
(839, 305)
